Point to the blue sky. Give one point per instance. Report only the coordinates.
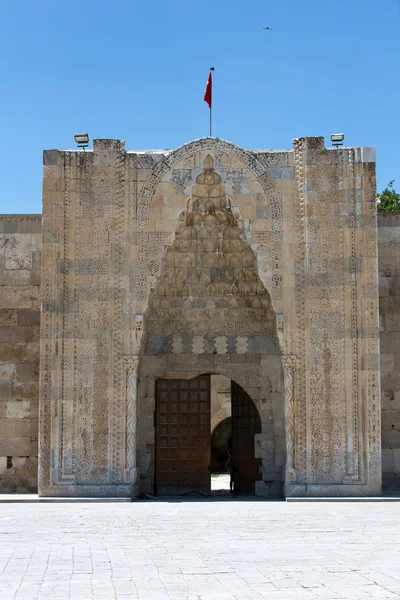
(137, 71)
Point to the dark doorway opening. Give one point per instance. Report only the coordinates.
(221, 447)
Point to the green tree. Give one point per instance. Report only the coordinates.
(389, 199)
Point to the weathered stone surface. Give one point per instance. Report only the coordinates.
(15, 447)
(28, 317)
(15, 353)
(19, 296)
(5, 390)
(389, 292)
(20, 248)
(8, 372)
(27, 373)
(8, 317)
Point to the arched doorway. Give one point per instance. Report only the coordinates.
(184, 460)
(209, 312)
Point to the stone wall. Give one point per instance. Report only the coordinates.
(20, 250)
(389, 308)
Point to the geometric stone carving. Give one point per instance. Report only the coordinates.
(289, 363)
(131, 418)
(209, 278)
(248, 159)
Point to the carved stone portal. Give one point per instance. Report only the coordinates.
(172, 256)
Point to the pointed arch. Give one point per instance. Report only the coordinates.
(249, 160)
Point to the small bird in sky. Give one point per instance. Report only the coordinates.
(268, 28)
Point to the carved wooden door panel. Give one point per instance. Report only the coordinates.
(183, 426)
(246, 423)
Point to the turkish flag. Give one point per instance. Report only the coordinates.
(208, 92)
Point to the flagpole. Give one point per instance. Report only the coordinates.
(211, 69)
(208, 96)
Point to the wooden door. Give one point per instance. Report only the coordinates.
(183, 436)
(246, 423)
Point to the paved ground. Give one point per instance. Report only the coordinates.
(220, 549)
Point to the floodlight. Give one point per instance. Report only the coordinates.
(82, 139)
(337, 139)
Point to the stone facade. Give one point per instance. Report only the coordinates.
(293, 234)
(256, 266)
(389, 308)
(20, 247)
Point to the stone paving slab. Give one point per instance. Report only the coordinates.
(385, 498)
(184, 550)
(16, 498)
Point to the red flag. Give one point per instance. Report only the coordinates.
(208, 92)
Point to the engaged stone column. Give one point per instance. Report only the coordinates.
(131, 418)
(289, 363)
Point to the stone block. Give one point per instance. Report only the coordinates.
(16, 277)
(391, 419)
(52, 158)
(3, 465)
(8, 372)
(34, 428)
(5, 390)
(15, 353)
(25, 391)
(26, 373)
(10, 225)
(35, 277)
(28, 317)
(11, 335)
(272, 489)
(264, 447)
(18, 409)
(387, 460)
(34, 448)
(8, 317)
(35, 408)
(15, 428)
(396, 460)
(31, 224)
(390, 438)
(19, 296)
(394, 286)
(18, 261)
(32, 352)
(368, 154)
(15, 447)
